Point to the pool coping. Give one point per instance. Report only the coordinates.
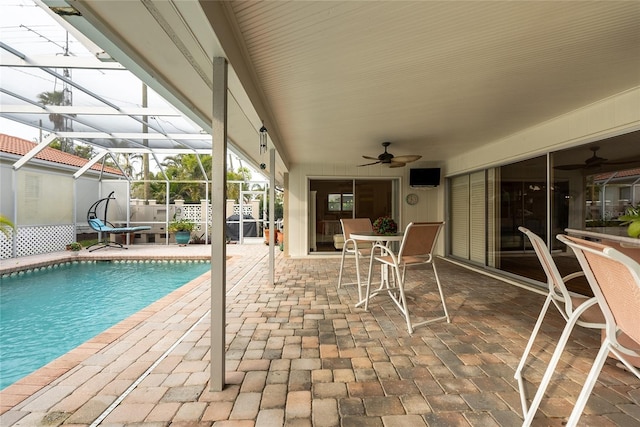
(47, 260)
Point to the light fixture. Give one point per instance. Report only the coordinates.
(263, 139)
(65, 11)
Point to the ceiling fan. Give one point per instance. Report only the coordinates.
(391, 160)
(592, 162)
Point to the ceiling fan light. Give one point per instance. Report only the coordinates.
(387, 158)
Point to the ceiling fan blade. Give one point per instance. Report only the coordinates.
(369, 164)
(397, 164)
(370, 158)
(406, 159)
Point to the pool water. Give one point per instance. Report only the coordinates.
(46, 313)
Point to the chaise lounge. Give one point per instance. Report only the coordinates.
(101, 225)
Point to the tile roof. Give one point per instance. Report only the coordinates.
(14, 145)
(618, 174)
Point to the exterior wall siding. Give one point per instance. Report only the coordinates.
(609, 117)
(430, 206)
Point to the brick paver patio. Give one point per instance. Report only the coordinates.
(300, 354)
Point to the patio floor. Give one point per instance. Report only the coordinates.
(300, 354)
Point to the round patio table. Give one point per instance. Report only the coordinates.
(385, 239)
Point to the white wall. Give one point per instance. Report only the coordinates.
(430, 206)
(610, 117)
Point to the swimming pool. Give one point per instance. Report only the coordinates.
(46, 313)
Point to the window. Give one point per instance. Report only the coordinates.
(335, 202)
(347, 202)
(340, 202)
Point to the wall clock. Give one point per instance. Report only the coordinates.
(412, 198)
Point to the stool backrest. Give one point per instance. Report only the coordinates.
(419, 239)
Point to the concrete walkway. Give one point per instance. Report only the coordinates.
(300, 354)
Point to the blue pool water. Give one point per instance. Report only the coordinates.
(45, 314)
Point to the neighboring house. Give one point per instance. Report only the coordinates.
(17, 146)
(42, 198)
(614, 192)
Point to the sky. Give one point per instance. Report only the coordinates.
(28, 28)
(31, 30)
(14, 16)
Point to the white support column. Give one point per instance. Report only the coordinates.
(218, 215)
(272, 213)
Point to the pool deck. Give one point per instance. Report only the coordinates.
(299, 353)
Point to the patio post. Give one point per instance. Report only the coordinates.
(218, 218)
(272, 214)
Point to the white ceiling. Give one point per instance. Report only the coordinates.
(334, 79)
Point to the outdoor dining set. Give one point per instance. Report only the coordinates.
(610, 267)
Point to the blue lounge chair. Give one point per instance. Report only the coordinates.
(101, 225)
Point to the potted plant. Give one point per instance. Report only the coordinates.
(632, 218)
(74, 246)
(182, 228)
(385, 225)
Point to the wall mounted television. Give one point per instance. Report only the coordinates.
(424, 177)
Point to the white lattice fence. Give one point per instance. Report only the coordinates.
(43, 239)
(246, 210)
(5, 246)
(192, 212)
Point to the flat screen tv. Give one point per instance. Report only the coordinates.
(424, 177)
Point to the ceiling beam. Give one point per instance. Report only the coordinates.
(35, 150)
(88, 110)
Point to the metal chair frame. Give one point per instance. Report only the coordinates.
(358, 250)
(416, 248)
(565, 301)
(615, 281)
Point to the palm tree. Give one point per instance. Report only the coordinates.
(54, 98)
(57, 97)
(6, 226)
(233, 191)
(185, 167)
(127, 162)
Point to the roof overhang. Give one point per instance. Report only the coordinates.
(175, 58)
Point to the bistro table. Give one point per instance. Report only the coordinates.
(627, 245)
(386, 239)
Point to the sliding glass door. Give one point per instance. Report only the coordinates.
(333, 199)
(585, 187)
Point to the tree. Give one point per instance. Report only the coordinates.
(59, 121)
(127, 162)
(83, 150)
(185, 167)
(54, 98)
(6, 226)
(233, 190)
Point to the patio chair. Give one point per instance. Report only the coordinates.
(566, 302)
(416, 248)
(354, 248)
(101, 225)
(615, 280)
